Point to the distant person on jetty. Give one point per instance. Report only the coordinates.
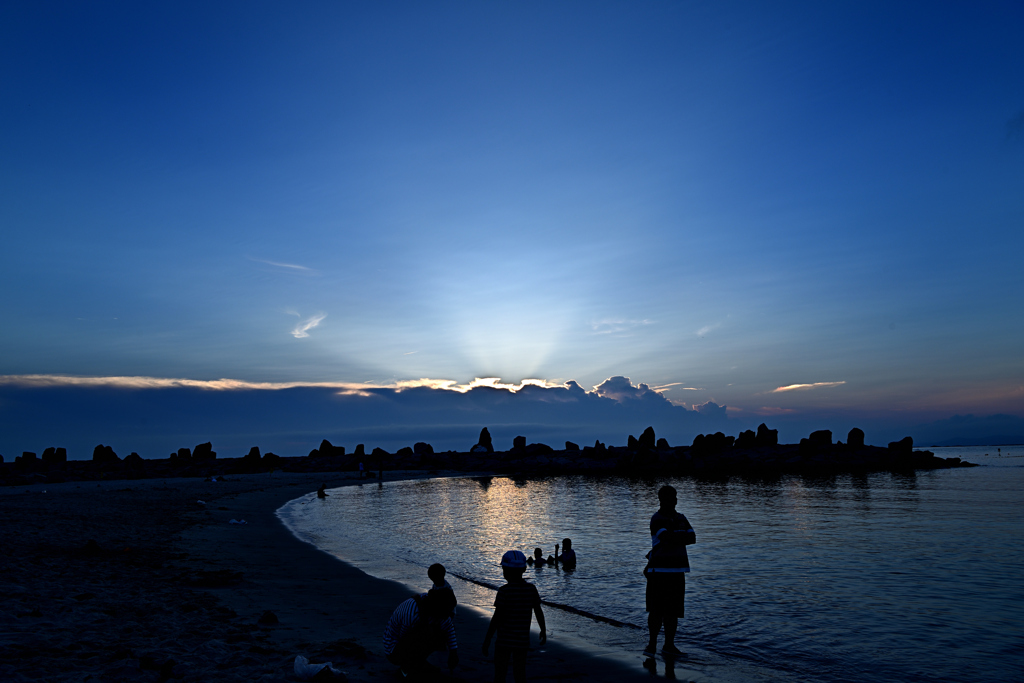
(322, 491)
(511, 619)
(538, 558)
(666, 569)
(568, 556)
(436, 573)
(419, 626)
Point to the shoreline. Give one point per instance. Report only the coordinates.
(170, 590)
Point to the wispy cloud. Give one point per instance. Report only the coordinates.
(666, 387)
(617, 325)
(708, 328)
(302, 329)
(286, 266)
(772, 410)
(135, 382)
(801, 387)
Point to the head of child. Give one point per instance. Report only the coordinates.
(438, 604)
(435, 573)
(566, 544)
(538, 553)
(513, 565)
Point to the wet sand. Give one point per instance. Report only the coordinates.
(170, 590)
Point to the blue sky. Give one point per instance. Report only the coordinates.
(717, 200)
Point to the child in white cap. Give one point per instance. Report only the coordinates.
(511, 620)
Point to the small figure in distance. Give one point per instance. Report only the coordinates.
(322, 491)
(538, 558)
(419, 626)
(568, 556)
(667, 565)
(511, 620)
(436, 573)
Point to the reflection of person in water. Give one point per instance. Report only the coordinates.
(568, 556)
(538, 558)
(666, 571)
(419, 626)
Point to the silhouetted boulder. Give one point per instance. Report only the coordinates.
(403, 452)
(855, 439)
(253, 455)
(133, 460)
(698, 444)
(27, 462)
(904, 446)
(104, 454)
(539, 449)
(720, 441)
(55, 458)
(598, 446)
(632, 444)
(519, 443)
(647, 439)
(184, 455)
(360, 451)
(570, 446)
(485, 441)
(746, 439)
(381, 453)
(421, 448)
(663, 444)
(478, 449)
(767, 437)
(327, 449)
(271, 460)
(821, 438)
(204, 452)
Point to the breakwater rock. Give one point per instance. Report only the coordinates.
(713, 455)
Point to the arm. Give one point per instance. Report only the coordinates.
(492, 627)
(453, 646)
(540, 622)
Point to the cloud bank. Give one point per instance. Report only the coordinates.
(154, 416)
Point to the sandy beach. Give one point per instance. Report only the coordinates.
(139, 581)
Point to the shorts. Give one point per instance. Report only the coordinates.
(666, 592)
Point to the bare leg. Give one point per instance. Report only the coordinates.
(671, 625)
(654, 620)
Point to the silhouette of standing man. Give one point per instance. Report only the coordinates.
(666, 570)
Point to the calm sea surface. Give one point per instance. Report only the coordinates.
(883, 577)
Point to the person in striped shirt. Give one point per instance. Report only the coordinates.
(419, 626)
(511, 619)
(667, 565)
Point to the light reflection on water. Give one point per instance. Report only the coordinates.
(868, 577)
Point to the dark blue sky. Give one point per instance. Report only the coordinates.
(720, 201)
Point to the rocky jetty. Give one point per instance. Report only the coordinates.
(714, 455)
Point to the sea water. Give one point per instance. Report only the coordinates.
(877, 577)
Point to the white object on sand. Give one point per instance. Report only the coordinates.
(305, 671)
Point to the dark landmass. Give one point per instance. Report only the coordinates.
(749, 454)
